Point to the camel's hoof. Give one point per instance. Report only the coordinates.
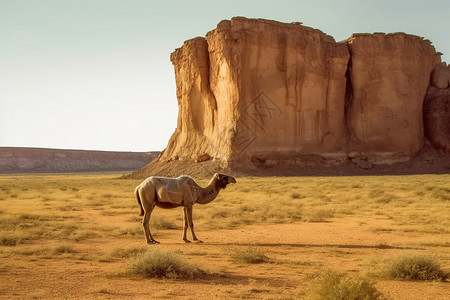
(152, 242)
(198, 241)
(187, 241)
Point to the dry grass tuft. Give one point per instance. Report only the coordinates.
(251, 255)
(162, 222)
(331, 285)
(64, 248)
(12, 239)
(414, 267)
(126, 253)
(157, 263)
(318, 215)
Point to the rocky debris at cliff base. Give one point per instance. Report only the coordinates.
(363, 163)
(203, 157)
(428, 161)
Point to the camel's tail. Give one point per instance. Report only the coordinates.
(138, 198)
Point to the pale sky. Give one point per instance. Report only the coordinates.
(96, 74)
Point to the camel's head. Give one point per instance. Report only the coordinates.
(224, 180)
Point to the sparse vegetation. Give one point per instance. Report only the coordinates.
(163, 222)
(296, 195)
(318, 215)
(11, 239)
(126, 252)
(251, 255)
(157, 263)
(332, 285)
(90, 223)
(414, 267)
(64, 248)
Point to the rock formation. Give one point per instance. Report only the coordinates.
(25, 160)
(437, 109)
(389, 76)
(256, 93)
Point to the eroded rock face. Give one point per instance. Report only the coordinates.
(436, 112)
(256, 89)
(262, 93)
(436, 109)
(286, 83)
(389, 76)
(440, 78)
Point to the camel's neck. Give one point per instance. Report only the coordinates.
(209, 193)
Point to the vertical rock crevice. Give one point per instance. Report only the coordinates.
(348, 103)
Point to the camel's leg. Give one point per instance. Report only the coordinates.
(191, 223)
(148, 205)
(146, 224)
(185, 226)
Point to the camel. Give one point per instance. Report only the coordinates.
(169, 193)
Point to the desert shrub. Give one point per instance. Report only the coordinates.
(414, 267)
(296, 196)
(441, 193)
(247, 208)
(161, 222)
(63, 248)
(251, 255)
(318, 215)
(376, 193)
(11, 239)
(157, 263)
(331, 285)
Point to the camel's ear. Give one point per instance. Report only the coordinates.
(231, 179)
(217, 175)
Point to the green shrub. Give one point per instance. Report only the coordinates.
(331, 285)
(414, 267)
(251, 255)
(157, 263)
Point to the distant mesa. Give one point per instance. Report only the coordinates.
(260, 97)
(38, 160)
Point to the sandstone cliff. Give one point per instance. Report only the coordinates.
(437, 109)
(256, 93)
(22, 160)
(389, 76)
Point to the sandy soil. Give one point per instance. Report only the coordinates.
(297, 252)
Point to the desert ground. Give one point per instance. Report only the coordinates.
(79, 236)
